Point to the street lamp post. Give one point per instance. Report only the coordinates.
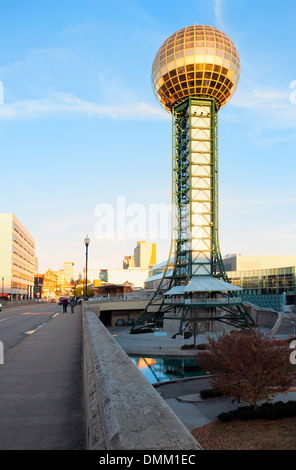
(2, 286)
(86, 242)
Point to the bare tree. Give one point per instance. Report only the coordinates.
(247, 364)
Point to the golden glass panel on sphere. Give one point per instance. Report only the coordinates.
(196, 61)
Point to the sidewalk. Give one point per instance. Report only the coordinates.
(41, 389)
(195, 412)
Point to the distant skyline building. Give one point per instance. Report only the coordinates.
(145, 255)
(17, 259)
(128, 262)
(36, 264)
(134, 276)
(61, 279)
(239, 262)
(46, 285)
(69, 271)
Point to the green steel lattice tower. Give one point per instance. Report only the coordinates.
(194, 74)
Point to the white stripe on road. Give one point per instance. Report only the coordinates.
(30, 332)
(33, 331)
(3, 319)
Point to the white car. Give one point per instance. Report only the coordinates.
(0, 307)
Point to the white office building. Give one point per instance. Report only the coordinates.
(17, 259)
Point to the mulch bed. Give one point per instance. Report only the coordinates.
(248, 435)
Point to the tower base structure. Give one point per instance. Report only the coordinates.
(203, 300)
(195, 287)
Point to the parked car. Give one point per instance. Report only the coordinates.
(0, 307)
(148, 327)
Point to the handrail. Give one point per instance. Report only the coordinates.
(216, 301)
(116, 299)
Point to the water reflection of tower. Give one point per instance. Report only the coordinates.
(194, 74)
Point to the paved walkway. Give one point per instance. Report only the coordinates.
(41, 389)
(195, 412)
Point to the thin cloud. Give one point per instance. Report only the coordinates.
(288, 232)
(219, 13)
(275, 104)
(63, 223)
(233, 207)
(61, 104)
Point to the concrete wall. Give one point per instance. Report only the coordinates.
(262, 317)
(123, 410)
(132, 304)
(121, 309)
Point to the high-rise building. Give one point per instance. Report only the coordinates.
(36, 264)
(128, 262)
(145, 255)
(17, 259)
(69, 271)
(62, 284)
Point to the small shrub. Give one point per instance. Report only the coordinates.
(187, 334)
(245, 413)
(191, 346)
(188, 346)
(226, 417)
(277, 410)
(211, 393)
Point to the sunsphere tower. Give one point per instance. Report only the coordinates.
(194, 74)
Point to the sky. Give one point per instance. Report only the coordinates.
(86, 147)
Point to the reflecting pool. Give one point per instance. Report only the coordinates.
(161, 369)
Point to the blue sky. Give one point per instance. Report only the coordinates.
(81, 127)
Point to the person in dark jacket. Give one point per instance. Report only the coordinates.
(72, 304)
(65, 304)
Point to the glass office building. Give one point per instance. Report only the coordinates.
(265, 281)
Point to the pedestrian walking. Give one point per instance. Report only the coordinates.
(72, 304)
(65, 304)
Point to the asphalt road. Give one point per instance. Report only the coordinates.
(17, 322)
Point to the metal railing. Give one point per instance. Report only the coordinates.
(119, 298)
(216, 301)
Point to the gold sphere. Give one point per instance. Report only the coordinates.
(196, 61)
